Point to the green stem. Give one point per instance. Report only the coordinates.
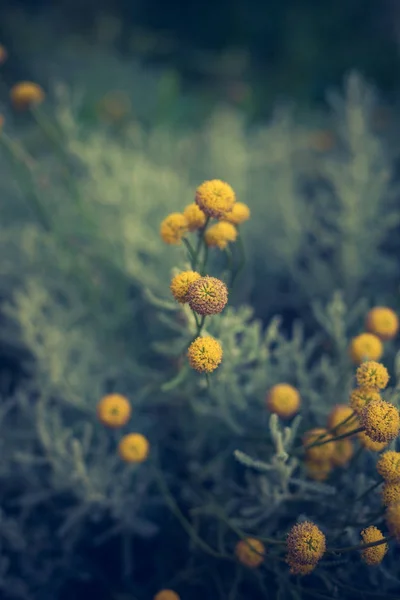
(333, 439)
(368, 490)
(204, 263)
(191, 252)
(359, 546)
(242, 260)
(200, 241)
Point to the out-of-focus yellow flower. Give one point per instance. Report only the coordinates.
(194, 216)
(318, 470)
(372, 373)
(3, 54)
(284, 400)
(166, 595)
(306, 544)
(365, 346)
(220, 235)
(343, 450)
(173, 228)
(388, 466)
(381, 421)
(208, 296)
(393, 519)
(322, 452)
(390, 493)
(342, 419)
(369, 444)
(215, 198)
(134, 448)
(362, 396)
(375, 554)
(205, 354)
(181, 283)
(114, 106)
(114, 410)
(26, 94)
(297, 568)
(250, 552)
(239, 214)
(383, 322)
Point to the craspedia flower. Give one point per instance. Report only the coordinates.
(361, 396)
(114, 410)
(239, 214)
(342, 419)
(220, 235)
(306, 544)
(134, 448)
(390, 493)
(392, 517)
(173, 228)
(373, 555)
(207, 296)
(166, 595)
(180, 285)
(365, 346)
(343, 450)
(388, 466)
(383, 322)
(26, 94)
(250, 552)
(322, 452)
(297, 568)
(372, 373)
(205, 354)
(369, 444)
(284, 400)
(318, 470)
(194, 216)
(215, 198)
(381, 421)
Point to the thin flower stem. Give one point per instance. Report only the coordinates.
(368, 490)
(204, 264)
(191, 251)
(200, 241)
(359, 546)
(242, 260)
(334, 439)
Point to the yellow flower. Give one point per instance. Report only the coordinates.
(134, 448)
(344, 414)
(388, 466)
(343, 450)
(166, 595)
(180, 285)
(205, 354)
(284, 400)
(375, 554)
(362, 396)
(318, 470)
(369, 444)
(390, 493)
(26, 94)
(366, 346)
(114, 410)
(381, 421)
(322, 452)
(250, 552)
(207, 296)
(239, 214)
(383, 322)
(194, 217)
(393, 519)
(220, 234)
(297, 568)
(3, 54)
(215, 198)
(306, 543)
(173, 228)
(371, 373)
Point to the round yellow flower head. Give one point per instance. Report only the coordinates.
(173, 228)
(390, 493)
(318, 453)
(284, 400)
(393, 519)
(207, 296)
(26, 94)
(114, 410)
(372, 373)
(342, 419)
(343, 450)
(369, 444)
(362, 396)
(388, 466)
(297, 568)
(215, 198)
(181, 283)
(205, 354)
(318, 470)
(306, 543)
(3, 54)
(250, 552)
(365, 346)
(381, 421)
(194, 217)
(134, 448)
(220, 235)
(383, 322)
(239, 214)
(375, 554)
(166, 595)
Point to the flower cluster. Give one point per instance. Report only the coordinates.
(381, 324)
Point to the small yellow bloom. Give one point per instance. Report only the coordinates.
(194, 217)
(220, 235)
(284, 400)
(318, 453)
(181, 283)
(372, 373)
(250, 552)
(297, 568)
(388, 466)
(383, 322)
(215, 198)
(3, 54)
(173, 228)
(318, 470)
(369, 444)
(26, 94)
(375, 554)
(166, 595)
(365, 346)
(208, 296)
(362, 396)
(306, 544)
(342, 419)
(393, 519)
(239, 214)
(343, 450)
(390, 493)
(114, 410)
(205, 354)
(134, 448)
(381, 421)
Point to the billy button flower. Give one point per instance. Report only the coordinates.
(239, 214)
(369, 444)
(319, 453)
(220, 235)
(134, 448)
(372, 373)
(318, 470)
(284, 400)
(181, 283)
(306, 544)
(381, 421)
(388, 466)
(114, 410)
(195, 217)
(342, 419)
(215, 198)
(205, 354)
(173, 228)
(365, 346)
(166, 595)
(373, 555)
(343, 450)
(250, 552)
(361, 396)
(207, 296)
(392, 517)
(390, 493)
(383, 322)
(297, 568)
(25, 94)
